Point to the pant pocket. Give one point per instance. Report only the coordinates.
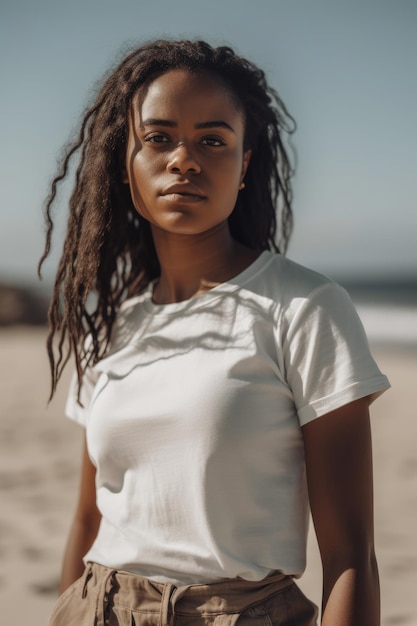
(71, 609)
(256, 615)
(291, 607)
(285, 608)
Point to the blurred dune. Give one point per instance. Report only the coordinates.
(20, 305)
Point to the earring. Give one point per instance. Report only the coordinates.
(242, 186)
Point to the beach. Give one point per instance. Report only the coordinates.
(40, 454)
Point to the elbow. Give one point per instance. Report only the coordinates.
(359, 565)
(88, 522)
(358, 556)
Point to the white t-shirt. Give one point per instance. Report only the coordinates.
(193, 422)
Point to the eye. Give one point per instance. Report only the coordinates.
(157, 138)
(213, 141)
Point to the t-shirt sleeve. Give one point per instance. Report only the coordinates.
(327, 356)
(77, 409)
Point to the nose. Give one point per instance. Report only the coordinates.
(182, 160)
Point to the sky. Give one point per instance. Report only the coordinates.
(345, 69)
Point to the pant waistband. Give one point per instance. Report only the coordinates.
(141, 594)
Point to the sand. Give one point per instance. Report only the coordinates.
(39, 464)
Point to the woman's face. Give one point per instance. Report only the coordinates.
(185, 157)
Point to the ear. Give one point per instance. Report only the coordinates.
(124, 176)
(245, 162)
(122, 164)
(123, 170)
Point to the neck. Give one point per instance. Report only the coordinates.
(193, 264)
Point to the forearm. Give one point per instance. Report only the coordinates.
(80, 539)
(351, 595)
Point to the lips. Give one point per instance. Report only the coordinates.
(183, 192)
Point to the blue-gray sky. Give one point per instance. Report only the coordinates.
(345, 69)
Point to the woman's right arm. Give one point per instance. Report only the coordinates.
(84, 527)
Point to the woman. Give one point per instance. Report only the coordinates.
(223, 388)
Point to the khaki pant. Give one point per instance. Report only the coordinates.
(106, 597)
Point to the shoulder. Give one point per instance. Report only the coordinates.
(290, 284)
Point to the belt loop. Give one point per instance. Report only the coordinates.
(164, 615)
(87, 575)
(109, 588)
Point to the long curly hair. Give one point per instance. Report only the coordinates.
(108, 253)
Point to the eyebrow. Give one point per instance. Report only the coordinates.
(171, 124)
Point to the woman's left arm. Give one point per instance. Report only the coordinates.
(339, 473)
